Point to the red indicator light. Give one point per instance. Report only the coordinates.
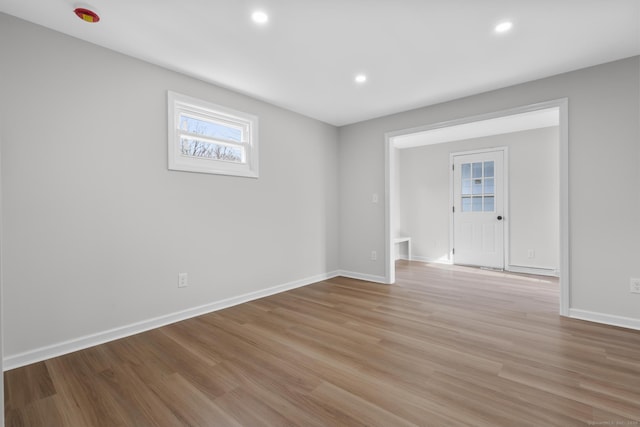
(86, 15)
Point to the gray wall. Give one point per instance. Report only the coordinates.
(604, 171)
(424, 201)
(96, 228)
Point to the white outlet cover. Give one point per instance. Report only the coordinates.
(183, 280)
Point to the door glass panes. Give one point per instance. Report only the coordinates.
(466, 170)
(488, 169)
(466, 187)
(466, 204)
(488, 186)
(477, 186)
(477, 170)
(477, 204)
(488, 203)
(478, 181)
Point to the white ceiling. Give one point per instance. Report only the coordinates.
(415, 52)
(496, 126)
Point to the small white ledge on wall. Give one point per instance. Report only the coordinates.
(400, 240)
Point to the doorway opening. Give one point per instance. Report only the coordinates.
(473, 195)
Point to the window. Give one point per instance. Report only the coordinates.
(208, 138)
(478, 192)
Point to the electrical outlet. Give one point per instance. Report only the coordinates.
(183, 280)
(635, 285)
(374, 255)
(531, 253)
(374, 198)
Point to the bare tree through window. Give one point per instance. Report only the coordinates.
(196, 148)
(209, 138)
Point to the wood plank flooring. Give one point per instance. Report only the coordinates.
(445, 346)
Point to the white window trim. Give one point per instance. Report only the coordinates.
(177, 104)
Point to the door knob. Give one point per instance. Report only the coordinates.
(499, 217)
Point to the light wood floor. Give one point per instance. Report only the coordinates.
(445, 346)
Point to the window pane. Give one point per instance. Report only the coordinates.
(477, 170)
(466, 170)
(488, 169)
(489, 204)
(466, 186)
(466, 204)
(206, 150)
(488, 186)
(210, 129)
(477, 186)
(477, 204)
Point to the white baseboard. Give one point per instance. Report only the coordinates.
(533, 270)
(431, 260)
(362, 276)
(47, 352)
(607, 319)
(512, 268)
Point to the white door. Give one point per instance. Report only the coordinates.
(478, 209)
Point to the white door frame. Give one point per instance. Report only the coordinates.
(1, 302)
(505, 199)
(563, 106)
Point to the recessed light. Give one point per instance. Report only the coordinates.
(260, 17)
(503, 27)
(361, 78)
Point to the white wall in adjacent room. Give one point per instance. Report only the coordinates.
(424, 201)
